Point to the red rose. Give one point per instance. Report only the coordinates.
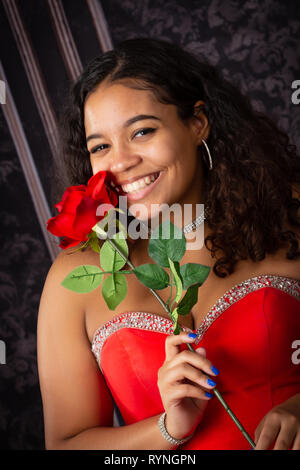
(77, 210)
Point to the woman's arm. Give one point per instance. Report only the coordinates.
(77, 405)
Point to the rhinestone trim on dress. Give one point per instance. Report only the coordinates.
(288, 285)
(140, 320)
(152, 322)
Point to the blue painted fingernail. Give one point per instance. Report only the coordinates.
(192, 335)
(207, 394)
(215, 370)
(211, 382)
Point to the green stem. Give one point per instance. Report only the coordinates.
(216, 392)
(230, 412)
(171, 285)
(164, 305)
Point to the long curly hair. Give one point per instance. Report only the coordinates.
(249, 192)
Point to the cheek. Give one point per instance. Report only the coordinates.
(169, 152)
(181, 159)
(97, 164)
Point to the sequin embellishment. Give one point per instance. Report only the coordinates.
(151, 322)
(139, 320)
(288, 285)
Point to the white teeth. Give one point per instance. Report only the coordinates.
(137, 185)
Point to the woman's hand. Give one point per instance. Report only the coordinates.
(282, 425)
(185, 386)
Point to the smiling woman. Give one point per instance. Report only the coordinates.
(168, 129)
(146, 162)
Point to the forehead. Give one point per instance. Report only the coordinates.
(121, 96)
(118, 101)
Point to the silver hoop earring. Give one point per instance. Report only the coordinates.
(210, 166)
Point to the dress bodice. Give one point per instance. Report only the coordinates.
(248, 335)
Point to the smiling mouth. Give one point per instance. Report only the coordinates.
(138, 185)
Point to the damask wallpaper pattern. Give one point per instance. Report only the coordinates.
(254, 43)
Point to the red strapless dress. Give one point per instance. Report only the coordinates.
(248, 336)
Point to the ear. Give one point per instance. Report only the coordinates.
(199, 122)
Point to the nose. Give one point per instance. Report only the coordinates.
(123, 159)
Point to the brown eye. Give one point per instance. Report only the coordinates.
(147, 130)
(98, 148)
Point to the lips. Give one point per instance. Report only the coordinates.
(135, 178)
(143, 192)
(135, 183)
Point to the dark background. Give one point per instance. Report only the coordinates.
(255, 43)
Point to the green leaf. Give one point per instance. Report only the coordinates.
(122, 228)
(167, 241)
(93, 242)
(176, 329)
(83, 279)
(110, 259)
(107, 224)
(114, 290)
(189, 300)
(175, 268)
(152, 275)
(193, 273)
(171, 288)
(174, 316)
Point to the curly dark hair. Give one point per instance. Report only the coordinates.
(249, 192)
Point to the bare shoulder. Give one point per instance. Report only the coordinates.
(72, 257)
(59, 304)
(74, 393)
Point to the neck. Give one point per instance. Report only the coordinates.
(188, 221)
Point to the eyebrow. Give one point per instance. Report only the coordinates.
(128, 123)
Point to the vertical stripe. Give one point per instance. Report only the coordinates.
(100, 24)
(65, 39)
(35, 78)
(29, 169)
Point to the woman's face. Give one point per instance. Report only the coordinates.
(149, 151)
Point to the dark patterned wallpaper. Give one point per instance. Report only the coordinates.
(24, 263)
(255, 44)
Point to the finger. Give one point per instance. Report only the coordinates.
(296, 445)
(197, 360)
(173, 342)
(285, 438)
(268, 435)
(259, 429)
(186, 371)
(180, 391)
(201, 351)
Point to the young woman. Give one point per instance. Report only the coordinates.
(150, 112)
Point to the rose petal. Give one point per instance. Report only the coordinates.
(62, 225)
(78, 207)
(85, 217)
(68, 242)
(70, 189)
(96, 187)
(72, 201)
